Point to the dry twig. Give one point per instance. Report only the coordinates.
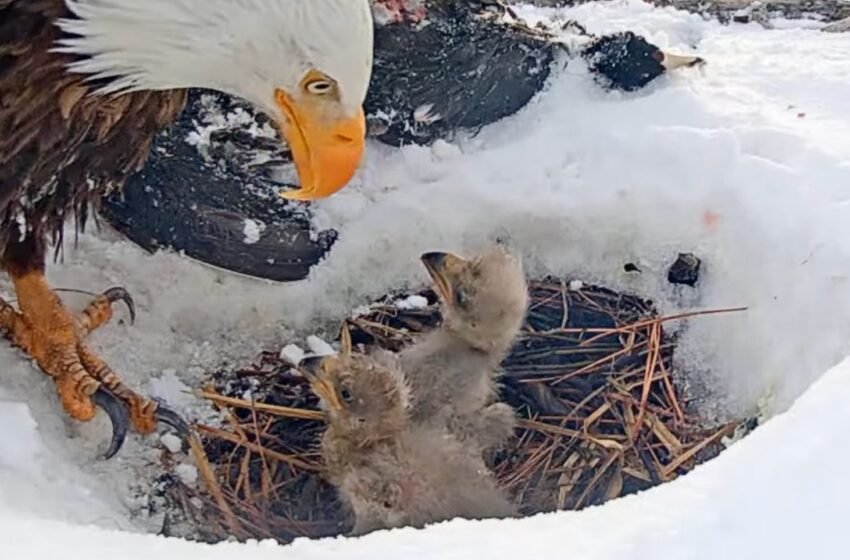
(591, 378)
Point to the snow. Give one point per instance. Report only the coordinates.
(187, 473)
(423, 114)
(252, 230)
(780, 493)
(412, 302)
(214, 120)
(171, 442)
(743, 162)
(171, 389)
(292, 353)
(713, 160)
(38, 483)
(841, 26)
(319, 347)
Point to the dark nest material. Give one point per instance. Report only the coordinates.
(219, 168)
(591, 378)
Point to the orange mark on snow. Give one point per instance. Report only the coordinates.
(710, 220)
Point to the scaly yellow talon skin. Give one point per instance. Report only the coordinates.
(76, 402)
(142, 411)
(50, 334)
(99, 311)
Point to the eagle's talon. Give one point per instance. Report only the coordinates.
(120, 294)
(117, 412)
(51, 335)
(99, 311)
(100, 142)
(165, 415)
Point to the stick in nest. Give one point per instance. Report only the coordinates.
(591, 378)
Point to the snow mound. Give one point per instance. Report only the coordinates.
(779, 493)
(37, 483)
(743, 162)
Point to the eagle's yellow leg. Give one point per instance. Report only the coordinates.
(142, 411)
(50, 334)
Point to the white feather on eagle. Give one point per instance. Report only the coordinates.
(86, 85)
(244, 48)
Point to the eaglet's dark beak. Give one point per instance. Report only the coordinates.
(444, 269)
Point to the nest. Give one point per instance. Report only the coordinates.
(590, 376)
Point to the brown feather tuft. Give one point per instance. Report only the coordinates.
(66, 149)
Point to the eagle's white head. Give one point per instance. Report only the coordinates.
(306, 63)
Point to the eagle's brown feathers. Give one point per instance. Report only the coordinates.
(61, 148)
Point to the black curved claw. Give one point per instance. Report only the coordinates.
(118, 415)
(120, 294)
(171, 418)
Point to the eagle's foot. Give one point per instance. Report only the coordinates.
(50, 334)
(99, 311)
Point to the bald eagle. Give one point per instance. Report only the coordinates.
(84, 87)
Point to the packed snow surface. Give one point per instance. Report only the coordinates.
(744, 162)
(780, 493)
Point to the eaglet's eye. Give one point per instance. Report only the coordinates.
(461, 299)
(345, 395)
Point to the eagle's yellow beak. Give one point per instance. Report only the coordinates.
(327, 150)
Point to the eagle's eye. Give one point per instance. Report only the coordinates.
(319, 86)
